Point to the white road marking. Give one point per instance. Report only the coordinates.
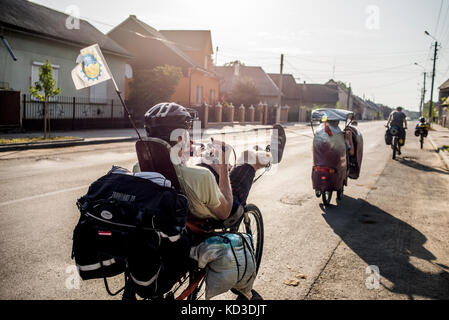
(42, 195)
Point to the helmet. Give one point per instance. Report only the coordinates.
(163, 118)
(422, 119)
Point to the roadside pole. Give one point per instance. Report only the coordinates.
(433, 80)
(278, 111)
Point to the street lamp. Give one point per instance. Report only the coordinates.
(423, 98)
(433, 75)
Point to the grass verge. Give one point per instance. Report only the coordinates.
(34, 139)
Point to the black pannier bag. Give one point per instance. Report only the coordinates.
(388, 137)
(131, 224)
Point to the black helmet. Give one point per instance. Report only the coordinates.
(422, 119)
(163, 118)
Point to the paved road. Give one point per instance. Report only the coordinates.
(37, 215)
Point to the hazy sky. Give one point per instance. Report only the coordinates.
(371, 44)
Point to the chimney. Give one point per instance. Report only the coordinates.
(236, 69)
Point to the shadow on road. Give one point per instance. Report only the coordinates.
(419, 166)
(391, 244)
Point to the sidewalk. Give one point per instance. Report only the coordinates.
(85, 137)
(439, 137)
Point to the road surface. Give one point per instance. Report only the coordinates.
(393, 217)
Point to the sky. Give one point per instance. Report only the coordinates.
(370, 44)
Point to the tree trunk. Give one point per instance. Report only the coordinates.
(45, 118)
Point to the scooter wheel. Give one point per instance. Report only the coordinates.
(317, 194)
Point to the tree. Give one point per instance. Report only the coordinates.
(233, 63)
(426, 110)
(44, 89)
(150, 87)
(244, 92)
(342, 84)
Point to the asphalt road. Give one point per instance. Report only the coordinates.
(328, 247)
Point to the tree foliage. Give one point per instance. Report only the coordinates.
(44, 89)
(233, 63)
(244, 92)
(150, 87)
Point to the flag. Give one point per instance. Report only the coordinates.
(92, 68)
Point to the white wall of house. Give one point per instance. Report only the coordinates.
(31, 52)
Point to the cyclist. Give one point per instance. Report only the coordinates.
(398, 119)
(214, 193)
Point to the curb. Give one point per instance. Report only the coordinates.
(70, 143)
(79, 142)
(442, 153)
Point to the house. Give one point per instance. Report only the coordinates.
(189, 50)
(290, 94)
(315, 95)
(344, 94)
(444, 95)
(36, 34)
(374, 109)
(230, 75)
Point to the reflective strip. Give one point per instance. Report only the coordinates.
(146, 283)
(96, 266)
(172, 238)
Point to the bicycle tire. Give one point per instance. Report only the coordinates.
(422, 141)
(395, 147)
(254, 227)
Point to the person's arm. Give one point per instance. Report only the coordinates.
(224, 209)
(405, 122)
(389, 119)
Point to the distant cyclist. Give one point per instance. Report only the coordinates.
(398, 119)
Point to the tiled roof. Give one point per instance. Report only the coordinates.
(317, 93)
(264, 83)
(289, 86)
(25, 16)
(190, 40)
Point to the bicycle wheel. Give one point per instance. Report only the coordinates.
(252, 223)
(327, 196)
(395, 147)
(422, 141)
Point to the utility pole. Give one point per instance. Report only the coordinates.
(433, 80)
(278, 111)
(423, 96)
(349, 97)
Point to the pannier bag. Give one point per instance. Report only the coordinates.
(388, 137)
(355, 161)
(229, 261)
(132, 224)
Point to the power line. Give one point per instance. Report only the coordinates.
(438, 20)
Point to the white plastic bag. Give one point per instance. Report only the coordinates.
(229, 261)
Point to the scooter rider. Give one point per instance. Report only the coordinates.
(398, 119)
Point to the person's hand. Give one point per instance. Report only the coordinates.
(222, 152)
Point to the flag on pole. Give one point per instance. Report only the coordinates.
(92, 68)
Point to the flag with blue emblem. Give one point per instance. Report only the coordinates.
(91, 68)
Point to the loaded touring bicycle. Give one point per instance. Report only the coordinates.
(337, 154)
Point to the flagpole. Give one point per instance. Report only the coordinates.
(124, 106)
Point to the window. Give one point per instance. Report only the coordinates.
(98, 92)
(35, 74)
(199, 95)
(212, 96)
